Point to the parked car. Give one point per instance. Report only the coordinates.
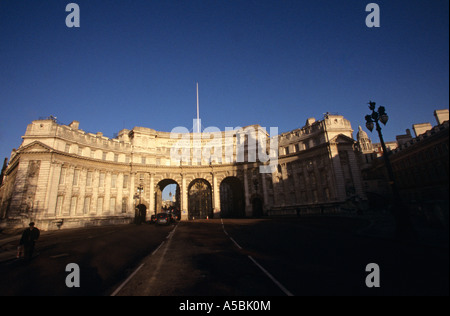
(153, 219)
(163, 219)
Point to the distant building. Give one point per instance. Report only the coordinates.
(420, 168)
(390, 145)
(364, 142)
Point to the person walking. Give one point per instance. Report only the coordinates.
(28, 240)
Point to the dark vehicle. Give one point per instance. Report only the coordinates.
(163, 219)
(153, 219)
(175, 217)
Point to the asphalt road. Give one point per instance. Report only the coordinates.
(230, 257)
(105, 256)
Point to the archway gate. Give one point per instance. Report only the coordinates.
(200, 204)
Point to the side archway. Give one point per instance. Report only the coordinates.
(140, 214)
(257, 207)
(232, 202)
(175, 199)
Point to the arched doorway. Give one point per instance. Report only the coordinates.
(257, 207)
(170, 200)
(199, 199)
(140, 213)
(232, 202)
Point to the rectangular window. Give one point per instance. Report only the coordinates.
(113, 181)
(315, 197)
(87, 205)
(326, 193)
(73, 205)
(89, 179)
(124, 205)
(112, 205)
(59, 204)
(99, 205)
(101, 180)
(125, 181)
(76, 174)
(304, 196)
(62, 176)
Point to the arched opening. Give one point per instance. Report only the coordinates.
(140, 213)
(257, 207)
(199, 199)
(167, 197)
(232, 202)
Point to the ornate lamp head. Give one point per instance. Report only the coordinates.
(369, 122)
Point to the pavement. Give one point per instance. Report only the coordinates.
(9, 240)
(380, 225)
(383, 226)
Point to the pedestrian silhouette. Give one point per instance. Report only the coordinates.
(28, 240)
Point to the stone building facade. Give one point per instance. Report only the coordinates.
(420, 166)
(61, 176)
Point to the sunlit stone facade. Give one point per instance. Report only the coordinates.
(61, 176)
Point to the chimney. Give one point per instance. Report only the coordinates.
(74, 124)
(441, 116)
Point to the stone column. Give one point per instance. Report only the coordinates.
(338, 174)
(248, 207)
(68, 187)
(51, 194)
(356, 175)
(82, 192)
(216, 195)
(264, 186)
(106, 201)
(151, 206)
(131, 195)
(95, 193)
(119, 196)
(184, 203)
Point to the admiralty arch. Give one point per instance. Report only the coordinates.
(62, 176)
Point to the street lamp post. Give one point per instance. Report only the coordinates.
(403, 223)
(140, 188)
(138, 216)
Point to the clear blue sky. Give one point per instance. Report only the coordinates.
(273, 63)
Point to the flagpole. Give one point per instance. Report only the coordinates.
(198, 114)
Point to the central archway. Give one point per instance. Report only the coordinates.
(200, 199)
